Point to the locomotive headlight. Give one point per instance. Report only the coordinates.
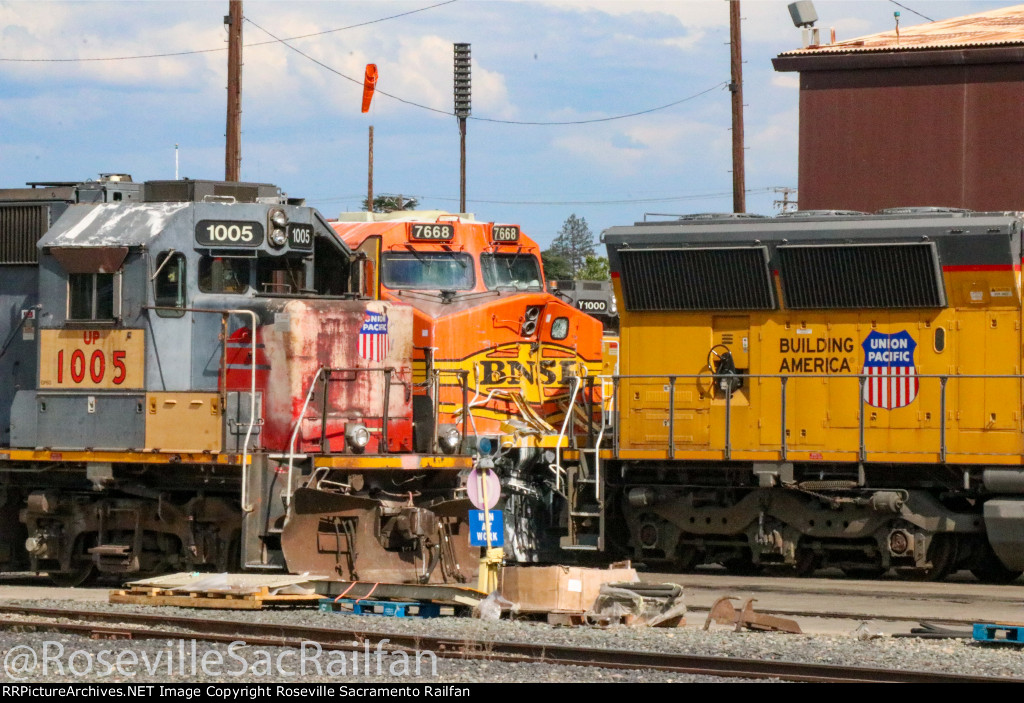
(357, 437)
(530, 320)
(278, 227)
(449, 438)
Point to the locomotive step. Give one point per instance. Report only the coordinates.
(1011, 634)
(396, 609)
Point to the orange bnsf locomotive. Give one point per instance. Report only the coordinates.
(187, 368)
(489, 337)
(820, 389)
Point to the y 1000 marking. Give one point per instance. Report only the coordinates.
(215, 233)
(440, 233)
(592, 305)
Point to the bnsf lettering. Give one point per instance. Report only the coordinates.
(433, 232)
(512, 372)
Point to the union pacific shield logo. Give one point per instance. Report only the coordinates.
(373, 336)
(889, 365)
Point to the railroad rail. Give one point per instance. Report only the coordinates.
(116, 625)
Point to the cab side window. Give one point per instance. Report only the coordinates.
(223, 275)
(93, 296)
(169, 284)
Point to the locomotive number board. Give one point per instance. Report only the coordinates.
(92, 359)
(226, 233)
(592, 305)
(300, 236)
(505, 233)
(431, 232)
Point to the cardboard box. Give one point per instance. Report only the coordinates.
(544, 589)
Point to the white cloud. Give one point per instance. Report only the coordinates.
(789, 81)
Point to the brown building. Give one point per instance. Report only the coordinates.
(931, 116)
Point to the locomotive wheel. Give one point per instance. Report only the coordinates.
(81, 576)
(807, 562)
(742, 566)
(687, 557)
(942, 553)
(988, 569)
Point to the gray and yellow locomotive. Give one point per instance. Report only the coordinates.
(179, 360)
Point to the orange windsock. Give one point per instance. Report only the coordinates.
(369, 83)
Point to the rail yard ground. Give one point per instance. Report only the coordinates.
(845, 623)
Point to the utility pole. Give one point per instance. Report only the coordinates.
(463, 99)
(739, 187)
(785, 203)
(233, 148)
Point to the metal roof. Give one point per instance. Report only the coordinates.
(110, 224)
(1004, 27)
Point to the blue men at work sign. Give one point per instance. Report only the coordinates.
(477, 533)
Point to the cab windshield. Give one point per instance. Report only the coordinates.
(516, 271)
(434, 270)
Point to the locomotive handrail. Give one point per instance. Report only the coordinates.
(785, 379)
(557, 468)
(295, 435)
(252, 394)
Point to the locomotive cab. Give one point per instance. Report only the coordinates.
(195, 347)
(489, 336)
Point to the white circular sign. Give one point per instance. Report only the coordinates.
(475, 487)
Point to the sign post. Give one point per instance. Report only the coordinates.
(484, 489)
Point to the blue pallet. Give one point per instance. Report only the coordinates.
(1012, 634)
(395, 609)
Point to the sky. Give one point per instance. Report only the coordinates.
(610, 110)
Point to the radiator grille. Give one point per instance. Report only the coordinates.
(21, 226)
(697, 279)
(861, 276)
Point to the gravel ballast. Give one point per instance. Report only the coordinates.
(851, 649)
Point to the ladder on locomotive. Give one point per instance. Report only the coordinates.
(584, 490)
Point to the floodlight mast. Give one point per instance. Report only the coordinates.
(804, 16)
(463, 99)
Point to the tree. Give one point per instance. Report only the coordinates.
(574, 243)
(392, 203)
(556, 268)
(594, 269)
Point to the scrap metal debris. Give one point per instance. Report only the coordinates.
(638, 605)
(724, 612)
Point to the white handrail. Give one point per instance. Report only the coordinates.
(295, 434)
(557, 467)
(246, 508)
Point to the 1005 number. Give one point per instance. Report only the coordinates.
(78, 367)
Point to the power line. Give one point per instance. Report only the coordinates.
(606, 119)
(208, 51)
(911, 10)
(626, 201)
(482, 119)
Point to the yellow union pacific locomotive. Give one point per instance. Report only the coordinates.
(820, 389)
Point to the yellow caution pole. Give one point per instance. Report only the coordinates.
(490, 562)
